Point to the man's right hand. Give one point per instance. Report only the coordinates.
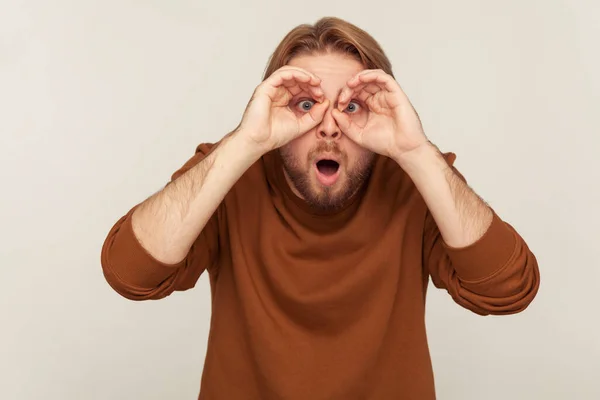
(168, 223)
(271, 120)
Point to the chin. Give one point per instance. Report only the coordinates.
(326, 180)
(327, 193)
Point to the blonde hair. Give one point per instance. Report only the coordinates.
(329, 34)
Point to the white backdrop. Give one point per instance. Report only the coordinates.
(100, 101)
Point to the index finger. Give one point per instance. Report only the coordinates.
(289, 72)
(293, 80)
(375, 76)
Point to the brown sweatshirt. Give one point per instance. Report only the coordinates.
(324, 306)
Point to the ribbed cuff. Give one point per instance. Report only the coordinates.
(130, 262)
(489, 254)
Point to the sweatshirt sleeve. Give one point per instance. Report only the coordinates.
(498, 274)
(133, 273)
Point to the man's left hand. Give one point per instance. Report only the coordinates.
(393, 127)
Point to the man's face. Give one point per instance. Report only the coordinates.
(323, 166)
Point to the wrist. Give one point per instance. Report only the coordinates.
(420, 158)
(247, 145)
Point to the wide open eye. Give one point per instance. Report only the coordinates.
(353, 107)
(306, 105)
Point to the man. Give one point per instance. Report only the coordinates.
(319, 220)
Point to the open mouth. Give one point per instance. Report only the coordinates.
(328, 171)
(328, 167)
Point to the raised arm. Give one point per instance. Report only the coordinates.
(482, 261)
(484, 264)
(167, 241)
(164, 243)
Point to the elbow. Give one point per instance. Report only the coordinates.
(133, 292)
(510, 291)
(497, 277)
(131, 289)
(526, 288)
(130, 270)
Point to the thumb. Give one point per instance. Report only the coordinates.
(346, 125)
(314, 116)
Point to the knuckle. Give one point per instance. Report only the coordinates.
(286, 69)
(259, 89)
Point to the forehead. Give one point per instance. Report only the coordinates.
(334, 69)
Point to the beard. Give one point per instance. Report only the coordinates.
(320, 197)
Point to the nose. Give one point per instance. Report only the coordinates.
(328, 128)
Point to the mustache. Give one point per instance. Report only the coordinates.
(326, 147)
